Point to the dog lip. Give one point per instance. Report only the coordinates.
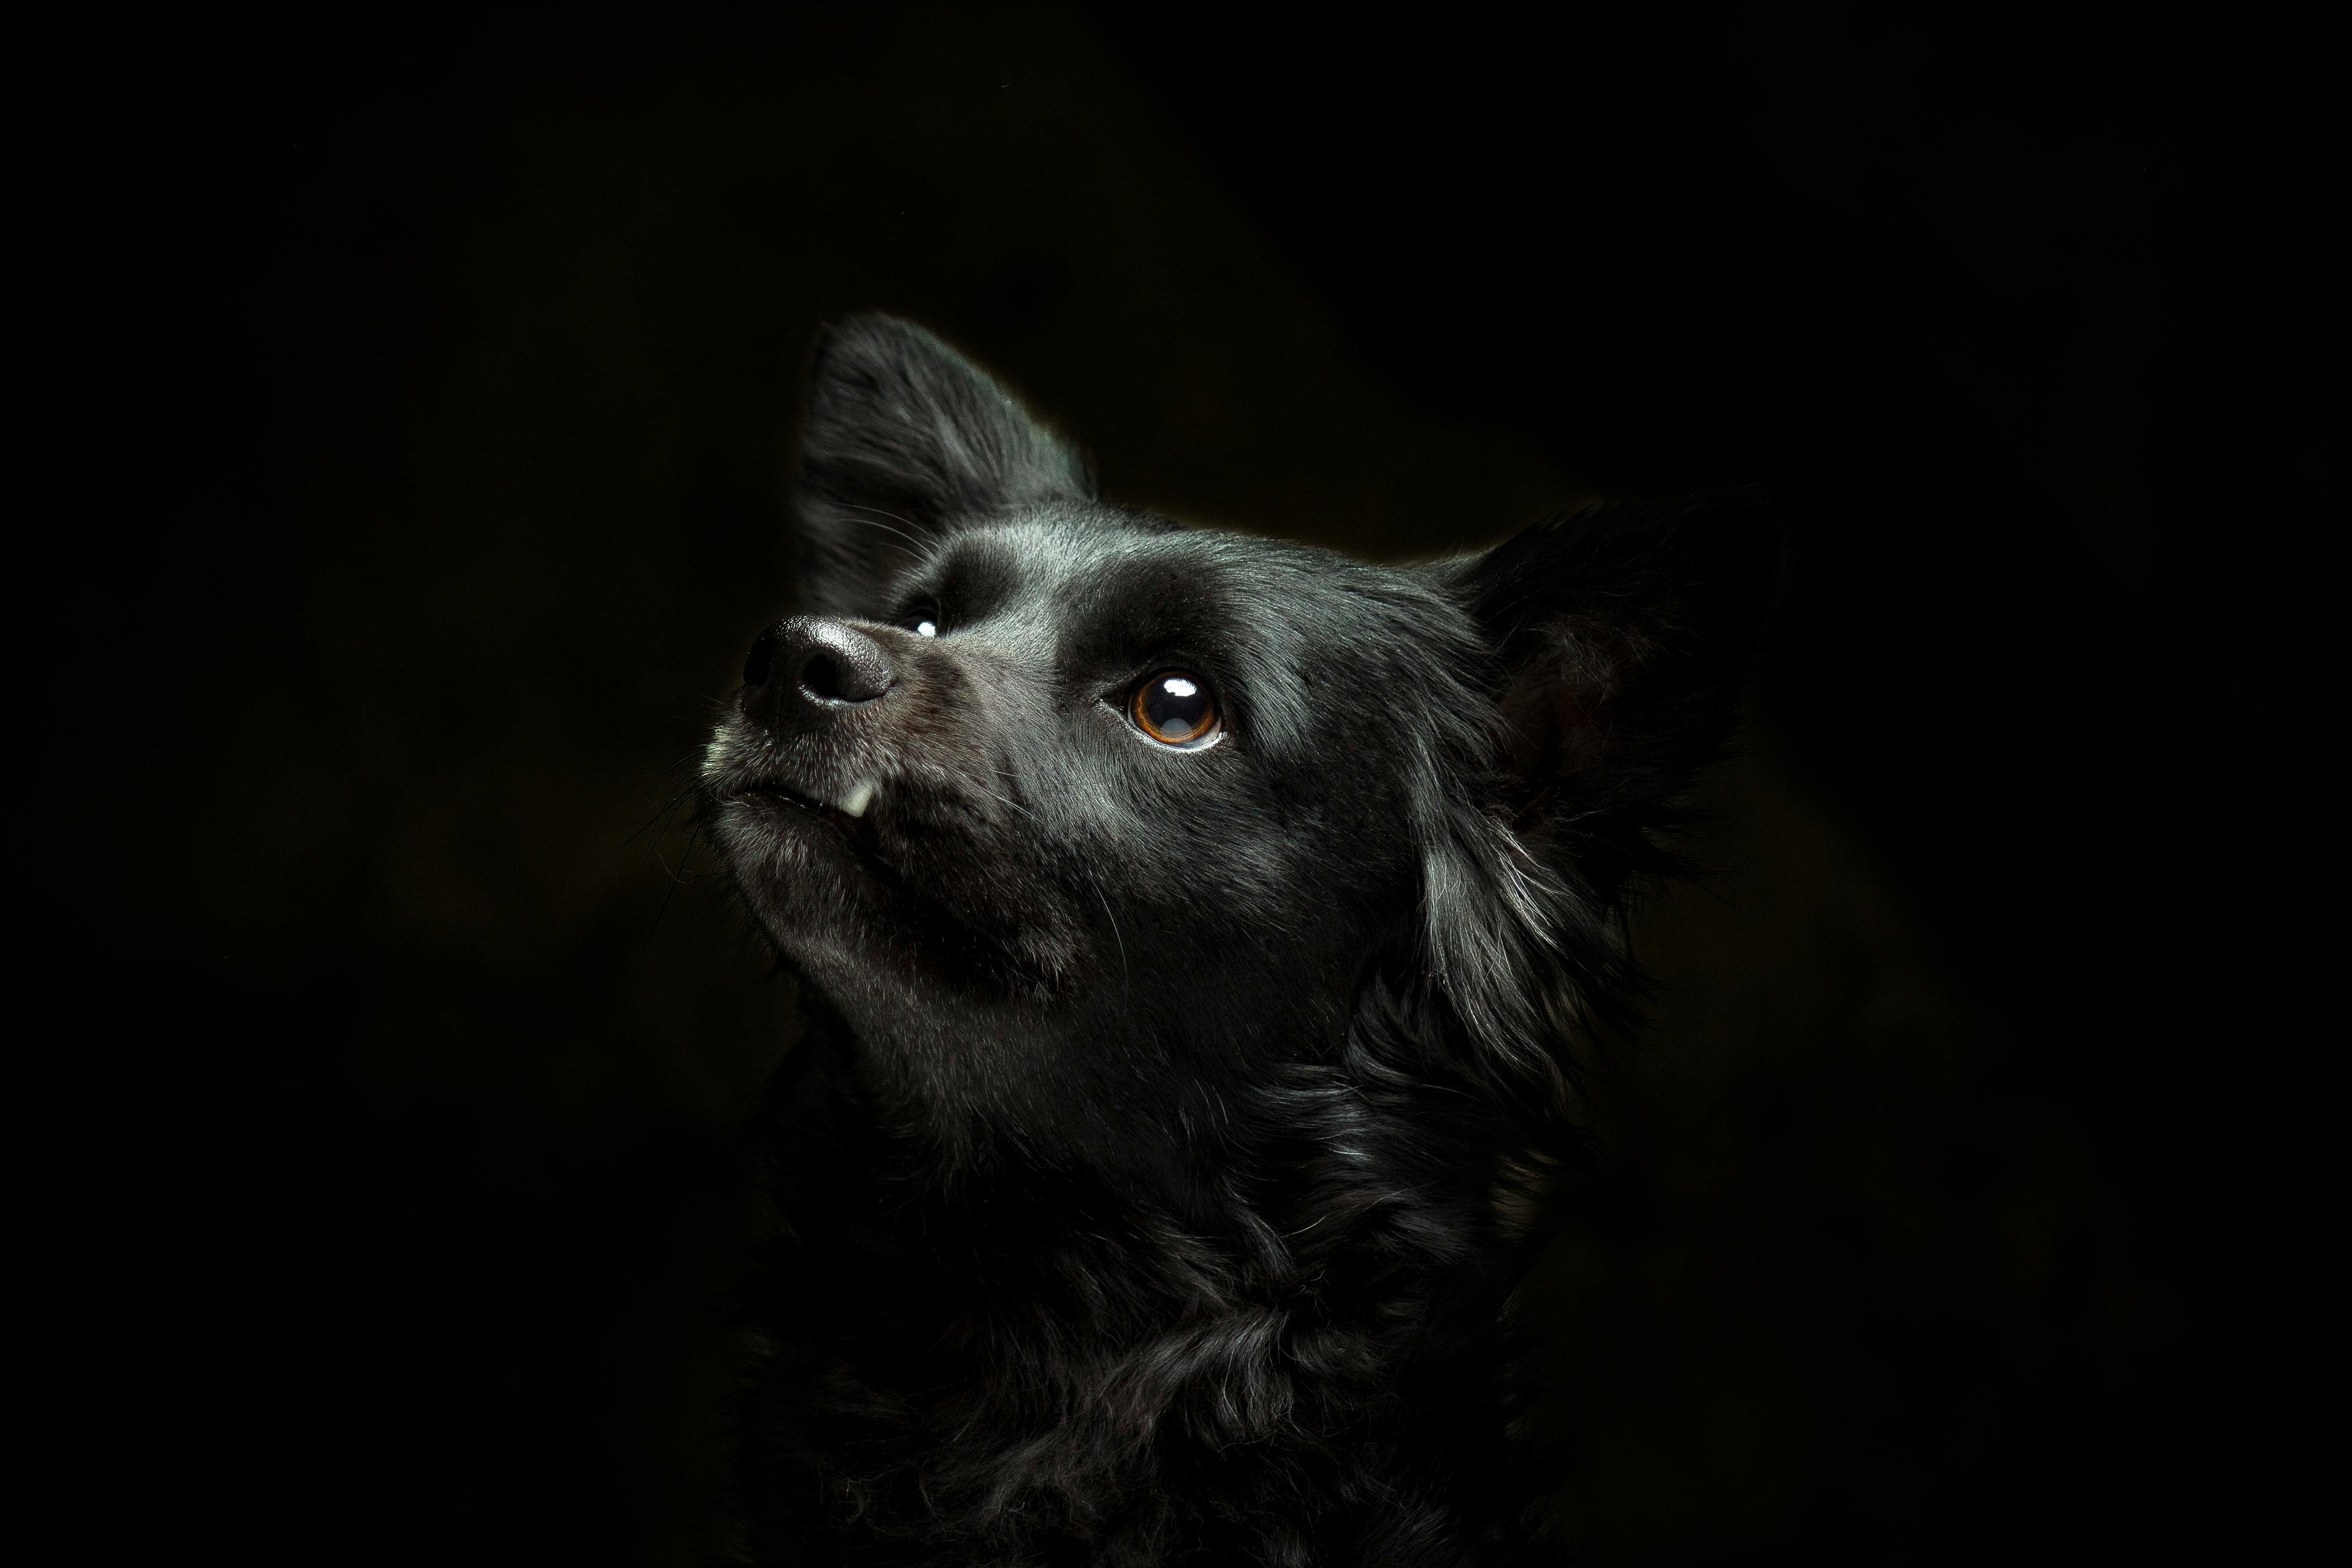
(851, 825)
(785, 794)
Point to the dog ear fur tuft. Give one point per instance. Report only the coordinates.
(1625, 631)
(904, 439)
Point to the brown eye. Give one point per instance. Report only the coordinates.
(1174, 709)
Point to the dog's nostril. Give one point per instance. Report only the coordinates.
(847, 669)
(821, 677)
(760, 660)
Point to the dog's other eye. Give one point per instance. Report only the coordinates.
(922, 621)
(1174, 709)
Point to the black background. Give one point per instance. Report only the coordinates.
(409, 396)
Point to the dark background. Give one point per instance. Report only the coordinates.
(408, 396)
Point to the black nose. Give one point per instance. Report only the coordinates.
(807, 661)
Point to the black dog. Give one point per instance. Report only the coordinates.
(1192, 928)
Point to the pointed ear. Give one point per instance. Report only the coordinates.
(904, 440)
(1625, 631)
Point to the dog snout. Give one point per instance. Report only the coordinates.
(809, 668)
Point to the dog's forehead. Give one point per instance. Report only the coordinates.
(1105, 569)
(1065, 557)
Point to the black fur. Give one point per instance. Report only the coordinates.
(1155, 1166)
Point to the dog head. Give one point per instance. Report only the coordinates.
(1077, 815)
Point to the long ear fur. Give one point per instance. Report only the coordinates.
(1624, 630)
(1620, 635)
(904, 440)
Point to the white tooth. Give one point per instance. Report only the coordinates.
(860, 796)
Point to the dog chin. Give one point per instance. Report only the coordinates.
(807, 874)
(826, 898)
